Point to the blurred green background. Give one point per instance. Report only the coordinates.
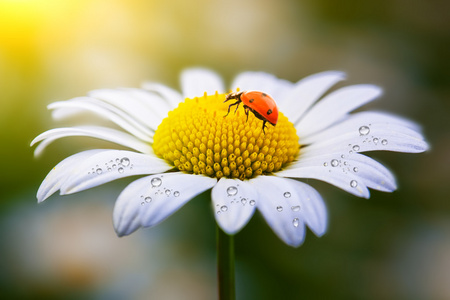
(393, 246)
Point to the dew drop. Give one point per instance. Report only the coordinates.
(287, 195)
(167, 192)
(142, 203)
(219, 212)
(325, 164)
(99, 171)
(252, 202)
(224, 208)
(232, 190)
(280, 208)
(353, 183)
(334, 162)
(355, 169)
(125, 162)
(120, 170)
(355, 148)
(109, 169)
(295, 208)
(117, 160)
(148, 199)
(114, 166)
(375, 140)
(295, 222)
(156, 181)
(364, 130)
(342, 156)
(176, 193)
(244, 201)
(384, 142)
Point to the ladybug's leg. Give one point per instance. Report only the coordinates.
(237, 106)
(229, 107)
(246, 110)
(264, 126)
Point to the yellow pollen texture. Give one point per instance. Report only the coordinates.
(196, 138)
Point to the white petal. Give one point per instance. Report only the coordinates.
(354, 121)
(195, 82)
(372, 173)
(111, 165)
(58, 175)
(130, 104)
(154, 102)
(306, 92)
(287, 205)
(64, 109)
(337, 176)
(260, 81)
(231, 204)
(335, 106)
(149, 200)
(103, 133)
(171, 95)
(377, 136)
(364, 170)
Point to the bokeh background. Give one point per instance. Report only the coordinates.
(393, 246)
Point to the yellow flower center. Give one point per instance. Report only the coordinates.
(197, 138)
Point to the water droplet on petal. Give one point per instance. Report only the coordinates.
(156, 181)
(295, 208)
(325, 164)
(120, 170)
(252, 202)
(364, 130)
(243, 201)
(334, 162)
(355, 148)
(287, 195)
(109, 169)
(125, 161)
(353, 183)
(99, 171)
(355, 169)
(176, 193)
(114, 166)
(295, 222)
(148, 199)
(342, 156)
(142, 203)
(167, 192)
(384, 142)
(375, 140)
(232, 190)
(224, 208)
(280, 208)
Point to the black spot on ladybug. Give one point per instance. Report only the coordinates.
(251, 100)
(264, 94)
(269, 111)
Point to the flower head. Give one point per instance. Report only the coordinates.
(187, 143)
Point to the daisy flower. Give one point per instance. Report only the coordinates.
(185, 145)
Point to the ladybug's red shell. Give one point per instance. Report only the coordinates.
(261, 103)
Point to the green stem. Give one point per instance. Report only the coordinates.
(225, 265)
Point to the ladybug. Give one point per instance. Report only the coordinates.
(259, 103)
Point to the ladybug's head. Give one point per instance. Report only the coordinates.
(236, 95)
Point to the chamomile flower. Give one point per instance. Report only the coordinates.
(185, 145)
